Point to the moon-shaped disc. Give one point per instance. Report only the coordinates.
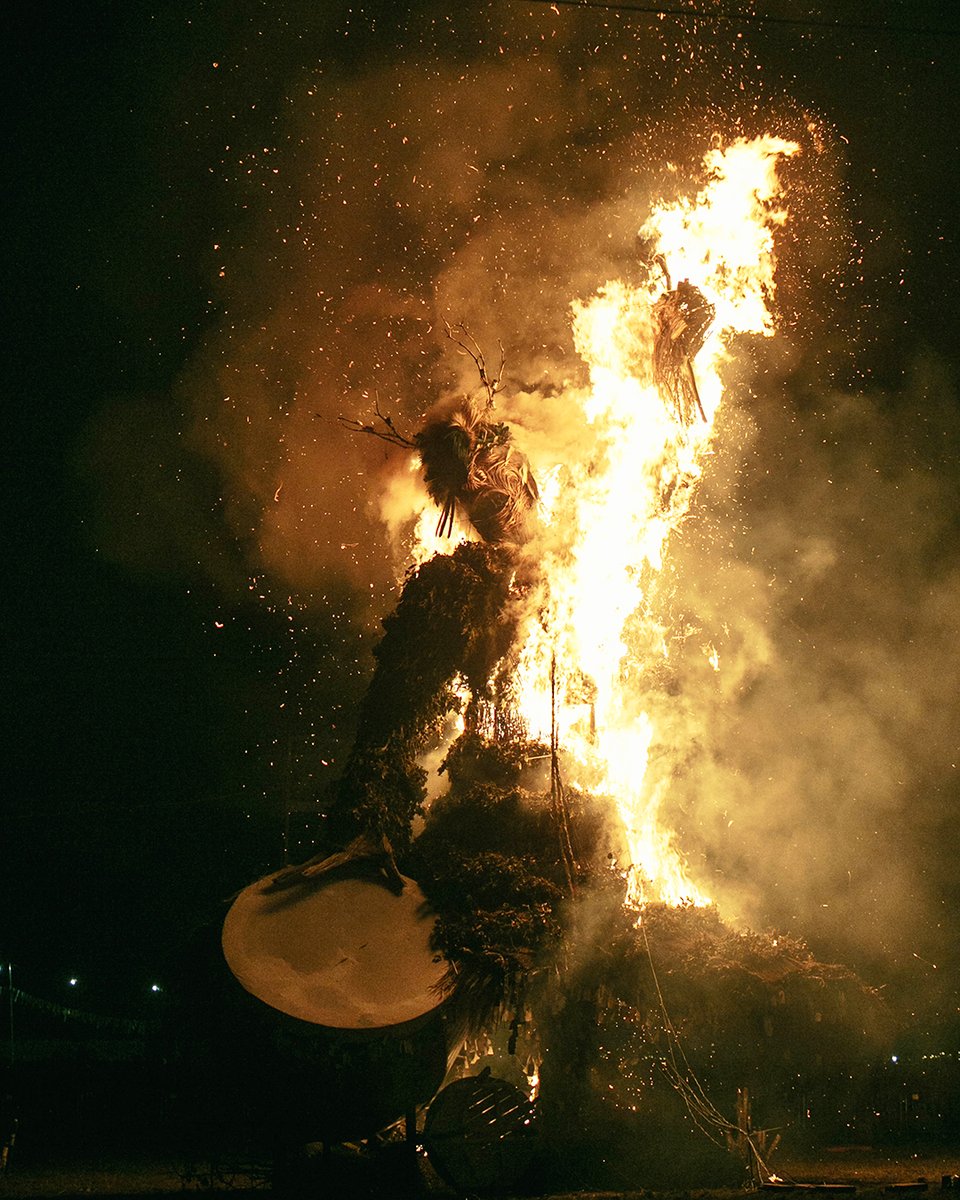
(347, 953)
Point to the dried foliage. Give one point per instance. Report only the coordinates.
(471, 461)
(742, 993)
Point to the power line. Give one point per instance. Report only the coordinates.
(755, 18)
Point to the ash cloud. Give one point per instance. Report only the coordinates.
(819, 790)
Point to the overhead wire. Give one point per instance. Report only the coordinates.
(752, 18)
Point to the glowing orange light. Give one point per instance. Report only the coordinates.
(609, 513)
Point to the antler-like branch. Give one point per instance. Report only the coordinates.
(389, 433)
(490, 386)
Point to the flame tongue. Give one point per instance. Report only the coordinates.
(609, 512)
(723, 240)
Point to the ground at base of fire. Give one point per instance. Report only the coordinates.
(872, 1172)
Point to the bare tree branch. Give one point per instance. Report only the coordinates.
(490, 386)
(389, 433)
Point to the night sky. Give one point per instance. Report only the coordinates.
(233, 222)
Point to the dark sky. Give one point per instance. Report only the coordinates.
(232, 222)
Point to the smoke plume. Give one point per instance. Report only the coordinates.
(491, 170)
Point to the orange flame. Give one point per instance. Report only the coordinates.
(609, 513)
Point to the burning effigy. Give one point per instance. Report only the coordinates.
(470, 460)
(580, 955)
(683, 318)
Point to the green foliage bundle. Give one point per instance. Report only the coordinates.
(485, 862)
(728, 990)
(454, 618)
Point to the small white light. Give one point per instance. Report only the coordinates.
(154, 987)
(73, 982)
(893, 1058)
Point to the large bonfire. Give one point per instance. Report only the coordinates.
(531, 627)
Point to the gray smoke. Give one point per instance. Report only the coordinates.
(822, 768)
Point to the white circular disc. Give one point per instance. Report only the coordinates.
(347, 953)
